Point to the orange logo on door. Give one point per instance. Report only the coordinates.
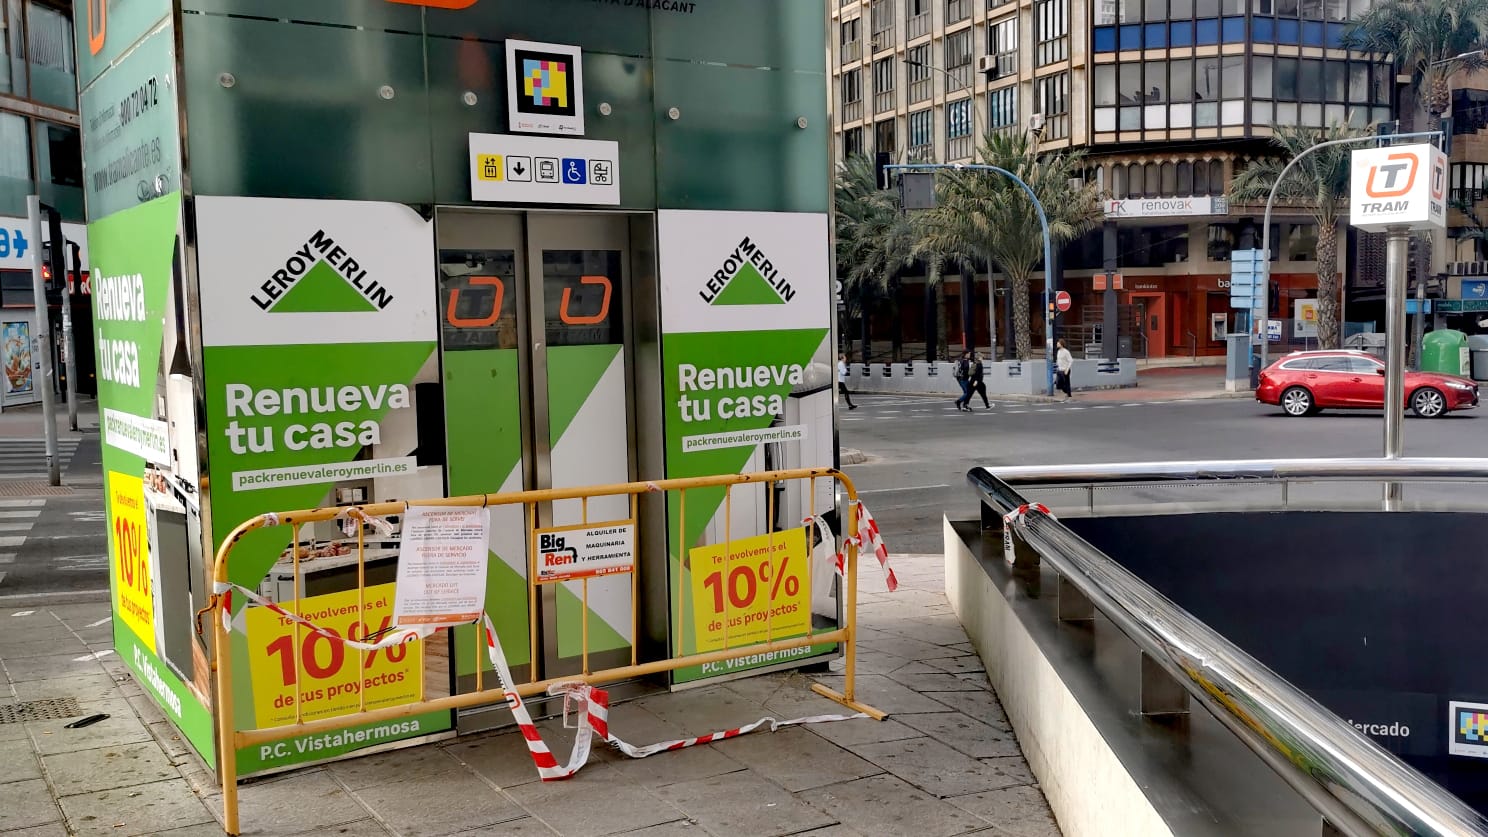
(476, 322)
(604, 305)
(1401, 167)
(438, 4)
(97, 24)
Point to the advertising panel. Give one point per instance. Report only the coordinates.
(19, 386)
(747, 367)
(318, 332)
(1304, 318)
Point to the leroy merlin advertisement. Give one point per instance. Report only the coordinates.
(318, 329)
(748, 387)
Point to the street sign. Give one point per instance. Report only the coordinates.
(1062, 301)
(1247, 278)
(1461, 306)
(1414, 307)
(1115, 283)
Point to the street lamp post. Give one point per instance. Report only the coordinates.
(1048, 248)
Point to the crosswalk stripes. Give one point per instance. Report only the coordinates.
(27, 457)
(16, 519)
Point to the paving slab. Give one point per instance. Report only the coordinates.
(981, 705)
(743, 804)
(1020, 811)
(677, 766)
(26, 803)
(795, 759)
(1008, 771)
(439, 804)
(305, 801)
(47, 644)
(500, 758)
(702, 711)
(964, 733)
(93, 686)
(958, 665)
(55, 829)
(52, 665)
(594, 802)
(138, 810)
(929, 765)
(18, 760)
(908, 647)
(106, 768)
(380, 769)
(863, 731)
(887, 805)
(121, 727)
(525, 827)
(884, 693)
(921, 677)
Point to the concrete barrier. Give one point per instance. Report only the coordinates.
(1027, 377)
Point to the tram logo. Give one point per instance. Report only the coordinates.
(321, 277)
(1468, 735)
(746, 276)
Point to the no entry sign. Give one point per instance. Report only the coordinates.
(1062, 301)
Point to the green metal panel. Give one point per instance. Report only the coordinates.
(373, 14)
(597, 25)
(782, 34)
(131, 130)
(735, 143)
(304, 117)
(111, 26)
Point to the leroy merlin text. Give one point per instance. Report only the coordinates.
(243, 400)
(692, 379)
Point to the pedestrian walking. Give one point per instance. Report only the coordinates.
(978, 384)
(842, 382)
(963, 377)
(1064, 362)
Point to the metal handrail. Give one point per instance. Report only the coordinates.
(1356, 785)
(1365, 469)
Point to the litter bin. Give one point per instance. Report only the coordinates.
(1255, 371)
(1445, 350)
(1477, 347)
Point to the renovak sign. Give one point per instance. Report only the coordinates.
(1402, 185)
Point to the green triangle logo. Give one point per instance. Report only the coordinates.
(748, 287)
(323, 291)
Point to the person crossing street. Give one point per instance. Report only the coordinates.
(842, 382)
(976, 384)
(1064, 362)
(963, 377)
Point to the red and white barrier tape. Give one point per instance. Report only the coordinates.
(594, 703)
(1018, 516)
(868, 537)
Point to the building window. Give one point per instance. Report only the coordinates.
(921, 134)
(1002, 109)
(916, 18)
(1302, 243)
(1050, 31)
(958, 60)
(1118, 11)
(852, 40)
(959, 141)
(1002, 41)
(852, 95)
(49, 51)
(917, 65)
(884, 141)
(1052, 99)
(1221, 242)
(881, 16)
(1469, 182)
(852, 143)
(994, 4)
(957, 11)
(883, 85)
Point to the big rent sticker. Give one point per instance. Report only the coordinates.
(332, 675)
(133, 599)
(749, 590)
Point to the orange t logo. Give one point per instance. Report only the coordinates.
(604, 305)
(438, 4)
(476, 322)
(1392, 187)
(97, 25)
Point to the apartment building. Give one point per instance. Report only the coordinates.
(1168, 98)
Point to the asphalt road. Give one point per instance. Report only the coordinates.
(920, 449)
(55, 546)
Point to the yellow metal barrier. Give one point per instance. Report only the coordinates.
(231, 739)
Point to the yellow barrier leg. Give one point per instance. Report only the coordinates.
(227, 754)
(850, 616)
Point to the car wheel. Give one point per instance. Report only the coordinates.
(1297, 401)
(1429, 403)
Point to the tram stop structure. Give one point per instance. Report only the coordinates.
(373, 251)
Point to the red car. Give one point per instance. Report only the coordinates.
(1303, 383)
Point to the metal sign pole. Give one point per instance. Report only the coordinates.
(69, 345)
(42, 347)
(1397, 246)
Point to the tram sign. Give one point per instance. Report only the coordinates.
(1403, 185)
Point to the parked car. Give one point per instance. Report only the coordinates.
(1303, 383)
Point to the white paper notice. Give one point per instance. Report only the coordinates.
(442, 566)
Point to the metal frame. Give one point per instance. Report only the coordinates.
(1356, 785)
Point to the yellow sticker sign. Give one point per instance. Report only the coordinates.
(133, 599)
(754, 591)
(491, 167)
(331, 675)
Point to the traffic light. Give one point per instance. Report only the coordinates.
(881, 166)
(54, 252)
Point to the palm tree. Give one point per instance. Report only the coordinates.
(1430, 39)
(985, 216)
(875, 240)
(1319, 183)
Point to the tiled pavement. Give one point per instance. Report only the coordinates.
(944, 763)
